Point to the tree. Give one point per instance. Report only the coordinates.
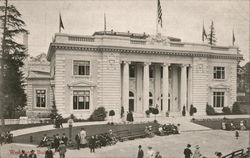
(13, 54)
(211, 36)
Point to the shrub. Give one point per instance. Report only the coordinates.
(226, 110)
(210, 110)
(112, 113)
(155, 111)
(236, 108)
(192, 110)
(98, 115)
(147, 112)
(184, 111)
(53, 113)
(122, 112)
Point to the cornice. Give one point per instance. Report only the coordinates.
(121, 49)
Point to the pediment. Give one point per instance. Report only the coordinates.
(81, 84)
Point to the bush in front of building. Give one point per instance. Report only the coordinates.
(226, 110)
(155, 111)
(210, 110)
(98, 115)
(236, 108)
(112, 113)
(147, 113)
(192, 110)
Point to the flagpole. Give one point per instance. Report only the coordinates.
(104, 23)
(59, 22)
(156, 17)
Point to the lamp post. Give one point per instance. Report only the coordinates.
(70, 122)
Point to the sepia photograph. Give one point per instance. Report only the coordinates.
(125, 79)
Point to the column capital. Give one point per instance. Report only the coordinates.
(146, 63)
(184, 65)
(166, 64)
(126, 62)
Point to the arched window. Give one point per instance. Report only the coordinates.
(131, 94)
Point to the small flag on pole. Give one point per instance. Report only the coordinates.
(60, 23)
(159, 13)
(105, 23)
(233, 38)
(204, 35)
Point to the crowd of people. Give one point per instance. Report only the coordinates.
(168, 129)
(231, 126)
(6, 137)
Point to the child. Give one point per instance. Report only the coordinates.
(237, 134)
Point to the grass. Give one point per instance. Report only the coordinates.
(216, 123)
(90, 129)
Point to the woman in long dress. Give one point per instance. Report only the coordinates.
(83, 135)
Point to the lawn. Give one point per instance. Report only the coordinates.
(90, 129)
(216, 123)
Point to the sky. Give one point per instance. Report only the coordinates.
(181, 18)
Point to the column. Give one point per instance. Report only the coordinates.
(125, 90)
(165, 84)
(183, 88)
(190, 85)
(146, 86)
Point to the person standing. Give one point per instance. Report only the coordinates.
(92, 143)
(32, 155)
(187, 152)
(83, 135)
(197, 153)
(140, 152)
(150, 153)
(78, 140)
(56, 142)
(237, 134)
(65, 139)
(23, 155)
(49, 153)
(62, 149)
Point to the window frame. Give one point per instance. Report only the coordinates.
(89, 100)
(215, 73)
(75, 60)
(221, 100)
(35, 98)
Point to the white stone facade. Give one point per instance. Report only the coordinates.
(183, 73)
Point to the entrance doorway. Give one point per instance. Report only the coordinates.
(131, 101)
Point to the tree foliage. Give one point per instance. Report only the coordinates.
(12, 58)
(211, 36)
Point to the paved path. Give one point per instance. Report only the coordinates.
(185, 123)
(171, 146)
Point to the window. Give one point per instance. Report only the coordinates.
(151, 72)
(150, 100)
(41, 98)
(82, 68)
(132, 71)
(161, 72)
(218, 99)
(81, 100)
(219, 72)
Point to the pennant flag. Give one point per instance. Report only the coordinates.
(104, 23)
(159, 13)
(60, 23)
(204, 35)
(233, 38)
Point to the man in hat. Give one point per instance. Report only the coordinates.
(187, 152)
(140, 152)
(157, 155)
(32, 154)
(23, 154)
(49, 153)
(62, 149)
(197, 153)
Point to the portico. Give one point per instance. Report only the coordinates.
(166, 86)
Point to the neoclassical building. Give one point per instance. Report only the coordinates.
(137, 71)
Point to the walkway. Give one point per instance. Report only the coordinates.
(185, 123)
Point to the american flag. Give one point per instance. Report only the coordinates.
(159, 13)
